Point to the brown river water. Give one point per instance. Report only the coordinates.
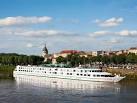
(29, 89)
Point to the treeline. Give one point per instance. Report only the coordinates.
(76, 59)
(16, 59)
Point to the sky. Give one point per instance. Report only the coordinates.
(86, 25)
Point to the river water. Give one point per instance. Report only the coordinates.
(29, 89)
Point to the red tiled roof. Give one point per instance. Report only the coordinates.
(69, 51)
(133, 48)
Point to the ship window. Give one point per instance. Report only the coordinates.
(84, 74)
(81, 74)
(90, 71)
(88, 74)
(67, 73)
(56, 69)
(85, 70)
(96, 71)
(98, 75)
(74, 70)
(77, 74)
(81, 70)
(70, 73)
(94, 75)
(45, 72)
(107, 75)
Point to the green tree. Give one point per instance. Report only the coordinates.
(131, 58)
(61, 59)
(106, 59)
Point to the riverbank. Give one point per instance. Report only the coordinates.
(6, 71)
(131, 74)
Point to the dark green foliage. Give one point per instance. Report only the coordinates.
(131, 58)
(61, 59)
(16, 59)
(6, 71)
(49, 61)
(76, 59)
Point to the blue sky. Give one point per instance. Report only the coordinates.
(26, 25)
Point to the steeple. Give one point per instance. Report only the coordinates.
(45, 50)
(45, 53)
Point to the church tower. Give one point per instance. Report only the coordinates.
(45, 53)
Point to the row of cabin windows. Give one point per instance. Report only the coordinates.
(32, 68)
(29, 71)
(83, 74)
(67, 70)
(51, 72)
(37, 71)
(103, 75)
(26, 70)
(91, 70)
(71, 74)
(61, 69)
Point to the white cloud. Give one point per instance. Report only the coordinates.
(128, 33)
(123, 33)
(20, 20)
(34, 33)
(43, 33)
(29, 45)
(112, 41)
(99, 33)
(109, 22)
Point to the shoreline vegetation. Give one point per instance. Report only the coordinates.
(8, 62)
(6, 71)
(130, 74)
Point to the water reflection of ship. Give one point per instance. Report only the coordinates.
(66, 84)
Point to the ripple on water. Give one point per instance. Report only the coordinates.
(36, 90)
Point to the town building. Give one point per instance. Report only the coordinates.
(121, 52)
(94, 53)
(64, 54)
(132, 50)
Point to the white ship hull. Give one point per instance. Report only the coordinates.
(88, 76)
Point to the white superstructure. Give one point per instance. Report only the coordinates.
(79, 73)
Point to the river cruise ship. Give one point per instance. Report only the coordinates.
(77, 73)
